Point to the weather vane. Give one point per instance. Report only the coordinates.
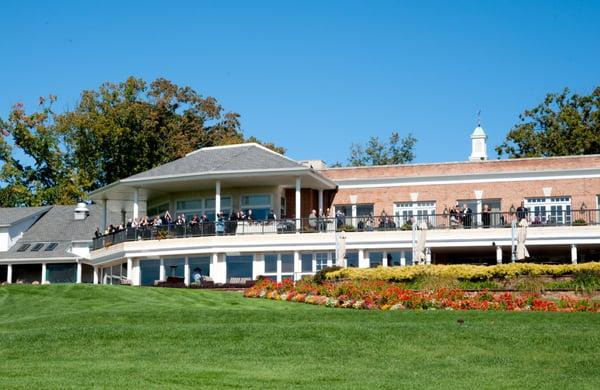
(479, 118)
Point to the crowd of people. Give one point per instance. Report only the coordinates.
(221, 224)
(454, 217)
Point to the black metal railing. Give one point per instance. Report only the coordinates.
(350, 224)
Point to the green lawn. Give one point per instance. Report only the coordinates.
(107, 336)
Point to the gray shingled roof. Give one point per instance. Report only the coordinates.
(58, 225)
(245, 157)
(10, 215)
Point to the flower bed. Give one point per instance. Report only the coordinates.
(381, 295)
(463, 271)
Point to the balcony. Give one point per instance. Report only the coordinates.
(461, 224)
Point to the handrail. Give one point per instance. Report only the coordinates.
(496, 219)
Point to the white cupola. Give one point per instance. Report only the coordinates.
(478, 144)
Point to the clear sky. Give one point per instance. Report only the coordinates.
(315, 76)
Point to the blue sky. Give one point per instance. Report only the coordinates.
(315, 76)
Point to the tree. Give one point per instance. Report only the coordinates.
(116, 131)
(44, 177)
(563, 124)
(397, 150)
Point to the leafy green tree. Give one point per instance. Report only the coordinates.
(44, 177)
(396, 150)
(563, 124)
(116, 131)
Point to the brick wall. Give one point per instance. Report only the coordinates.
(510, 193)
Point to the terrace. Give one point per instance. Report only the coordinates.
(367, 224)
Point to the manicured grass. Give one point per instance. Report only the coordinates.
(107, 336)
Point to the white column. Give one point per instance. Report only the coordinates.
(478, 211)
(298, 204)
(278, 268)
(162, 273)
(78, 272)
(258, 265)
(402, 258)
(103, 216)
(136, 279)
(498, 254)
(136, 204)
(96, 274)
(44, 278)
(574, 254)
(321, 201)
(9, 273)
(363, 261)
(217, 199)
(130, 269)
(428, 256)
(384, 260)
(314, 263)
(219, 264)
(186, 271)
(297, 265)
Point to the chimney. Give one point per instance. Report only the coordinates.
(81, 211)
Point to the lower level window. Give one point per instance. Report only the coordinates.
(323, 260)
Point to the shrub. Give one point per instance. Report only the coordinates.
(322, 274)
(462, 271)
(435, 282)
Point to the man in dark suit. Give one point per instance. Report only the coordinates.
(522, 212)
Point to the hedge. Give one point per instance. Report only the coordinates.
(462, 271)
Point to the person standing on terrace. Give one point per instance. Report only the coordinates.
(467, 216)
(522, 212)
(312, 220)
(486, 214)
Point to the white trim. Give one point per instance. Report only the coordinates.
(469, 178)
(401, 240)
(499, 161)
(217, 174)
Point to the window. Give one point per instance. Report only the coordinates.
(552, 210)
(199, 266)
(306, 259)
(424, 211)
(158, 209)
(362, 210)
(259, 204)
(200, 206)
(375, 259)
(23, 247)
(209, 207)
(287, 263)
(323, 260)
(477, 204)
(239, 268)
(352, 259)
(51, 246)
(37, 247)
(270, 264)
(192, 204)
(188, 207)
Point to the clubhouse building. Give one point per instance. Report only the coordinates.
(234, 213)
